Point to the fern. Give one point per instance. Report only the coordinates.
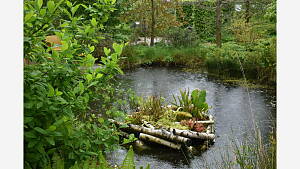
(102, 162)
(128, 162)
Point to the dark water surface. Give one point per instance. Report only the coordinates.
(230, 107)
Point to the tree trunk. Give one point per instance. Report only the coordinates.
(247, 14)
(152, 23)
(150, 138)
(193, 134)
(218, 23)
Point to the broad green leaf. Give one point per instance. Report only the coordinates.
(65, 45)
(81, 87)
(106, 51)
(99, 75)
(64, 24)
(89, 77)
(40, 130)
(93, 83)
(202, 96)
(92, 48)
(69, 4)
(39, 105)
(51, 91)
(39, 3)
(30, 134)
(52, 128)
(74, 9)
(50, 140)
(58, 93)
(101, 120)
(94, 22)
(43, 12)
(28, 16)
(28, 119)
(32, 143)
(118, 48)
(51, 6)
(114, 56)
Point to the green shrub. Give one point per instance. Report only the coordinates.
(181, 37)
(59, 86)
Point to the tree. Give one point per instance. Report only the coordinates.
(218, 23)
(156, 16)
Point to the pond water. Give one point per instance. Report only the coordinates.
(230, 107)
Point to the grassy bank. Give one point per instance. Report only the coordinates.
(258, 60)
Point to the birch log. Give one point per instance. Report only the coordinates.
(156, 132)
(147, 124)
(193, 134)
(202, 122)
(157, 140)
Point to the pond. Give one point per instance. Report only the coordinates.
(230, 107)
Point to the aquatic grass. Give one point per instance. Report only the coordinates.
(256, 153)
(153, 107)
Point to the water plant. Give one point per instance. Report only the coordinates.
(194, 103)
(153, 107)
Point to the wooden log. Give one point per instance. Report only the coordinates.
(147, 124)
(157, 140)
(203, 122)
(156, 132)
(193, 134)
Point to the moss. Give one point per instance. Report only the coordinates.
(183, 116)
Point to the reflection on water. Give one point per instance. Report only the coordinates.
(230, 107)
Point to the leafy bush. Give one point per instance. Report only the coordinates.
(59, 85)
(181, 37)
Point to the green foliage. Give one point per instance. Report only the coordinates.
(94, 163)
(201, 17)
(257, 59)
(152, 106)
(130, 139)
(165, 16)
(271, 11)
(60, 85)
(181, 37)
(128, 162)
(255, 154)
(194, 103)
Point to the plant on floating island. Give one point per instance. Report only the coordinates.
(192, 105)
(150, 109)
(187, 109)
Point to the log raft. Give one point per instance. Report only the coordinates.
(173, 138)
(155, 132)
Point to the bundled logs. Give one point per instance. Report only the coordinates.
(173, 138)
